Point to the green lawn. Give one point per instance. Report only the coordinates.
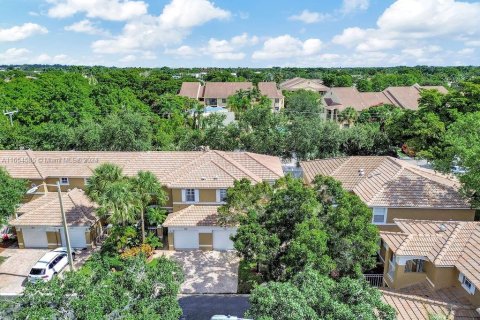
(247, 277)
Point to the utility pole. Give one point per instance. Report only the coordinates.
(10, 115)
(65, 227)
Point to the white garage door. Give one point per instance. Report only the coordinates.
(35, 238)
(221, 240)
(77, 238)
(185, 239)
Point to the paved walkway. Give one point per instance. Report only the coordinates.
(206, 271)
(15, 269)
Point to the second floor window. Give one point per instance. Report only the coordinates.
(466, 283)
(379, 215)
(64, 181)
(189, 195)
(222, 195)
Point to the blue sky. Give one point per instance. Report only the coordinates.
(260, 33)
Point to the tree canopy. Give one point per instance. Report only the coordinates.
(128, 289)
(312, 295)
(12, 192)
(287, 227)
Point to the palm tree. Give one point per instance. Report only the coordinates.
(119, 203)
(102, 177)
(147, 189)
(350, 115)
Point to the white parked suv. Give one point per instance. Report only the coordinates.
(48, 266)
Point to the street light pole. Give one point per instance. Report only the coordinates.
(65, 228)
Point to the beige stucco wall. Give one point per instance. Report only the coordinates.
(176, 195)
(54, 239)
(391, 228)
(430, 214)
(170, 197)
(21, 243)
(73, 183)
(441, 277)
(208, 195)
(205, 241)
(404, 279)
(170, 241)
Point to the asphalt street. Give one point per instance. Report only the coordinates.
(203, 307)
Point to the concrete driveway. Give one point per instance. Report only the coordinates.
(207, 271)
(15, 269)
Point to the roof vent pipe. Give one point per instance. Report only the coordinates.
(361, 172)
(443, 228)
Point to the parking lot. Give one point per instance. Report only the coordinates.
(16, 267)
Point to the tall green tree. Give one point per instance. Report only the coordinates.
(12, 192)
(148, 189)
(312, 295)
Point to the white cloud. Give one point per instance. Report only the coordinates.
(190, 13)
(349, 6)
(183, 52)
(307, 16)
(21, 32)
(173, 25)
(218, 49)
(473, 43)
(115, 10)
(466, 51)
(55, 59)
(287, 46)
(85, 26)
(13, 56)
(408, 25)
(430, 18)
(128, 58)
(421, 52)
(351, 37)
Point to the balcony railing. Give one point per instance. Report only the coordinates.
(375, 280)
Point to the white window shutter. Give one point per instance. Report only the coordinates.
(183, 195)
(218, 195)
(197, 195)
(460, 277)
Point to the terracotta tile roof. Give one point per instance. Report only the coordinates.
(301, 83)
(422, 304)
(45, 211)
(404, 97)
(224, 89)
(407, 97)
(192, 90)
(173, 169)
(193, 216)
(270, 90)
(19, 164)
(351, 97)
(444, 243)
(389, 182)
